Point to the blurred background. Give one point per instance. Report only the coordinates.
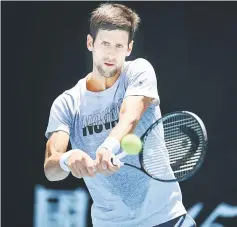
(193, 48)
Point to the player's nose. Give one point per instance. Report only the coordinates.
(110, 60)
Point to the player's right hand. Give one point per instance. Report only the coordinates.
(81, 164)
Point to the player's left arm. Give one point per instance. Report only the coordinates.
(141, 91)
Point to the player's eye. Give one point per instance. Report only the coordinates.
(119, 46)
(105, 43)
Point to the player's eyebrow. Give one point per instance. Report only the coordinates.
(119, 43)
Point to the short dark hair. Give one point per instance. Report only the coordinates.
(111, 16)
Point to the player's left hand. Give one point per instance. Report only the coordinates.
(103, 162)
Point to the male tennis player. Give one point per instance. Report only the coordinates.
(118, 97)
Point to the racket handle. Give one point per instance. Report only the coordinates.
(116, 162)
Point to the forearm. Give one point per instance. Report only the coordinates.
(55, 147)
(125, 126)
(52, 169)
(131, 112)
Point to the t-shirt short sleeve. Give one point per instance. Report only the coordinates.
(142, 81)
(61, 115)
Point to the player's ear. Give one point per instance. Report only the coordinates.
(89, 42)
(130, 46)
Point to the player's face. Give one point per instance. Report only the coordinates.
(109, 51)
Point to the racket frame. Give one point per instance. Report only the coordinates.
(203, 149)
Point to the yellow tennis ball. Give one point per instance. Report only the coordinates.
(131, 144)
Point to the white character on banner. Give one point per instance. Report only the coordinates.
(223, 210)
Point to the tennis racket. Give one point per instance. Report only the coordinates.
(173, 147)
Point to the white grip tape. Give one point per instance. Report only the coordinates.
(63, 160)
(116, 160)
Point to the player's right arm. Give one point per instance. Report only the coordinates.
(58, 161)
(78, 162)
(56, 145)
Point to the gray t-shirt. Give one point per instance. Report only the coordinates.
(127, 198)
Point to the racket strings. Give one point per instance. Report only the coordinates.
(179, 145)
(155, 155)
(172, 149)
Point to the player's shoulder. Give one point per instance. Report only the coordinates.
(138, 62)
(137, 65)
(70, 96)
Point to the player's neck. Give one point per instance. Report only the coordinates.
(96, 83)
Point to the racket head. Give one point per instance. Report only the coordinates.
(174, 147)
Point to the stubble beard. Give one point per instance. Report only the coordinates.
(107, 73)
